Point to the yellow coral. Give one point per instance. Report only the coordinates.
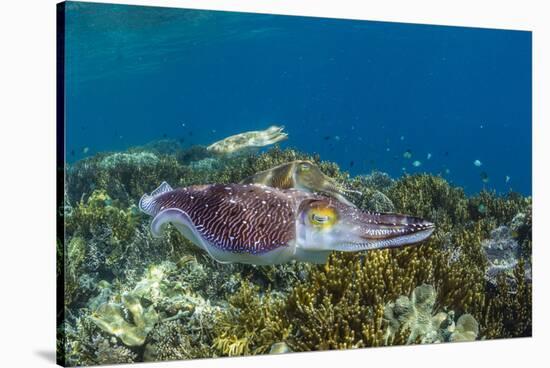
(100, 211)
(110, 318)
(252, 324)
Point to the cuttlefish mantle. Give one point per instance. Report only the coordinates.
(257, 224)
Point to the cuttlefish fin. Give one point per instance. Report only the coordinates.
(273, 135)
(147, 201)
(345, 190)
(181, 221)
(343, 199)
(337, 192)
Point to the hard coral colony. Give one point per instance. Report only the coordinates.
(132, 296)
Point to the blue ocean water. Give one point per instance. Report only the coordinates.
(359, 93)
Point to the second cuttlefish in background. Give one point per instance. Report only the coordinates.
(303, 175)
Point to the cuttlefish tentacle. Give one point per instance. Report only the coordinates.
(300, 174)
(258, 224)
(332, 189)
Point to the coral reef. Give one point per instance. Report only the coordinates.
(172, 340)
(376, 180)
(432, 198)
(375, 200)
(466, 329)
(502, 252)
(98, 210)
(130, 297)
(279, 348)
(110, 318)
(124, 176)
(252, 324)
(416, 316)
(192, 154)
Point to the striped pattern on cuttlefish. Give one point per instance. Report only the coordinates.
(257, 224)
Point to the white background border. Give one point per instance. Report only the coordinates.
(27, 154)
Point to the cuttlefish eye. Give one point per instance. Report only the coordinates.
(322, 217)
(305, 167)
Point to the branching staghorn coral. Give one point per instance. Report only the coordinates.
(342, 305)
(501, 208)
(252, 323)
(508, 310)
(432, 198)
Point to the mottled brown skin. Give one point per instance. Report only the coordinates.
(299, 174)
(248, 140)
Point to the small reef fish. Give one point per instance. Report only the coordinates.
(248, 140)
(484, 177)
(300, 174)
(257, 224)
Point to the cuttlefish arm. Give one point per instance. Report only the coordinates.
(262, 225)
(271, 135)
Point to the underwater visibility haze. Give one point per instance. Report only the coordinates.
(239, 184)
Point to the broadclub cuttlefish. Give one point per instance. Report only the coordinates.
(248, 141)
(303, 175)
(257, 224)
